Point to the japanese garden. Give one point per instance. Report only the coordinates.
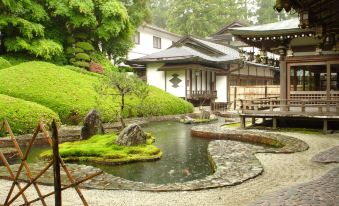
(168, 102)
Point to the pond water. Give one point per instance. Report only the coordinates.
(184, 157)
(182, 154)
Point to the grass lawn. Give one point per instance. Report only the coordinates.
(102, 149)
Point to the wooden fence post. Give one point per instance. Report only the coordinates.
(56, 166)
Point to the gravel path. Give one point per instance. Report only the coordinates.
(280, 171)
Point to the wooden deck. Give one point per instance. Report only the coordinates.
(323, 110)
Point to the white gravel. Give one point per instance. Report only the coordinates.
(281, 170)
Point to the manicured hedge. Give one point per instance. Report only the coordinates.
(71, 94)
(23, 116)
(4, 63)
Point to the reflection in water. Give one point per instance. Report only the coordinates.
(184, 157)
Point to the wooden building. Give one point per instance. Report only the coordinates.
(309, 60)
(201, 71)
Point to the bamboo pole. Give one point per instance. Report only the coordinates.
(63, 165)
(68, 186)
(23, 162)
(31, 182)
(56, 165)
(12, 176)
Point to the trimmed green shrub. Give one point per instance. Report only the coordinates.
(70, 50)
(70, 40)
(81, 64)
(23, 116)
(86, 46)
(82, 36)
(70, 92)
(83, 56)
(4, 63)
(78, 50)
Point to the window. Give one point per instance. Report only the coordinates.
(137, 38)
(156, 42)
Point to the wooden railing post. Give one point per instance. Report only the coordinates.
(235, 98)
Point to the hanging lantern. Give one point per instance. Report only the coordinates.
(336, 43)
(304, 19)
(318, 50)
(289, 52)
(319, 31)
(281, 50)
(250, 56)
(257, 58)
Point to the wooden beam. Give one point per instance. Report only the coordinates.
(328, 81)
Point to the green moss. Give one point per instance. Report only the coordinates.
(69, 92)
(102, 148)
(4, 63)
(24, 116)
(237, 124)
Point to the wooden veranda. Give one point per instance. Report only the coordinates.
(303, 109)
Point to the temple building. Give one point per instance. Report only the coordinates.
(309, 60)
(201, 71)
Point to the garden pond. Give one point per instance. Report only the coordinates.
(184, 157)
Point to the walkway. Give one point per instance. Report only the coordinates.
(280, 171)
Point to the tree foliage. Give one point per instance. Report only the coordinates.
(120, 85)
(44, 27)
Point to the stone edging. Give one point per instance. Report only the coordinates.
(328, 156)
(234, 162)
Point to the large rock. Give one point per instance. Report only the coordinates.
(92, 125)
(205, 114)
(132, 135)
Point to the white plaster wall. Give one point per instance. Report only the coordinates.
(154, 77)
(146, 44)
(221, 86)
(179, 91)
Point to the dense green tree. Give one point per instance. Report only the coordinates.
(203, 17)
(82, 28)
(159, 10)
(22, 29)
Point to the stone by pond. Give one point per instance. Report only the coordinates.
(233, 162)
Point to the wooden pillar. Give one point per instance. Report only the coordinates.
(206, 81)
(201, 81)
(191, 78)
(253, 120)
(242, 122)
(283, 80)
(186, 79)
(325, 126)
(196, 80)
(274, 120)
(328, 81)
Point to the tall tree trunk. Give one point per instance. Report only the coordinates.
(122, 110)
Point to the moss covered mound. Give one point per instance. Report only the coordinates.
(71, 94)
(102, 149)
(23, 116)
